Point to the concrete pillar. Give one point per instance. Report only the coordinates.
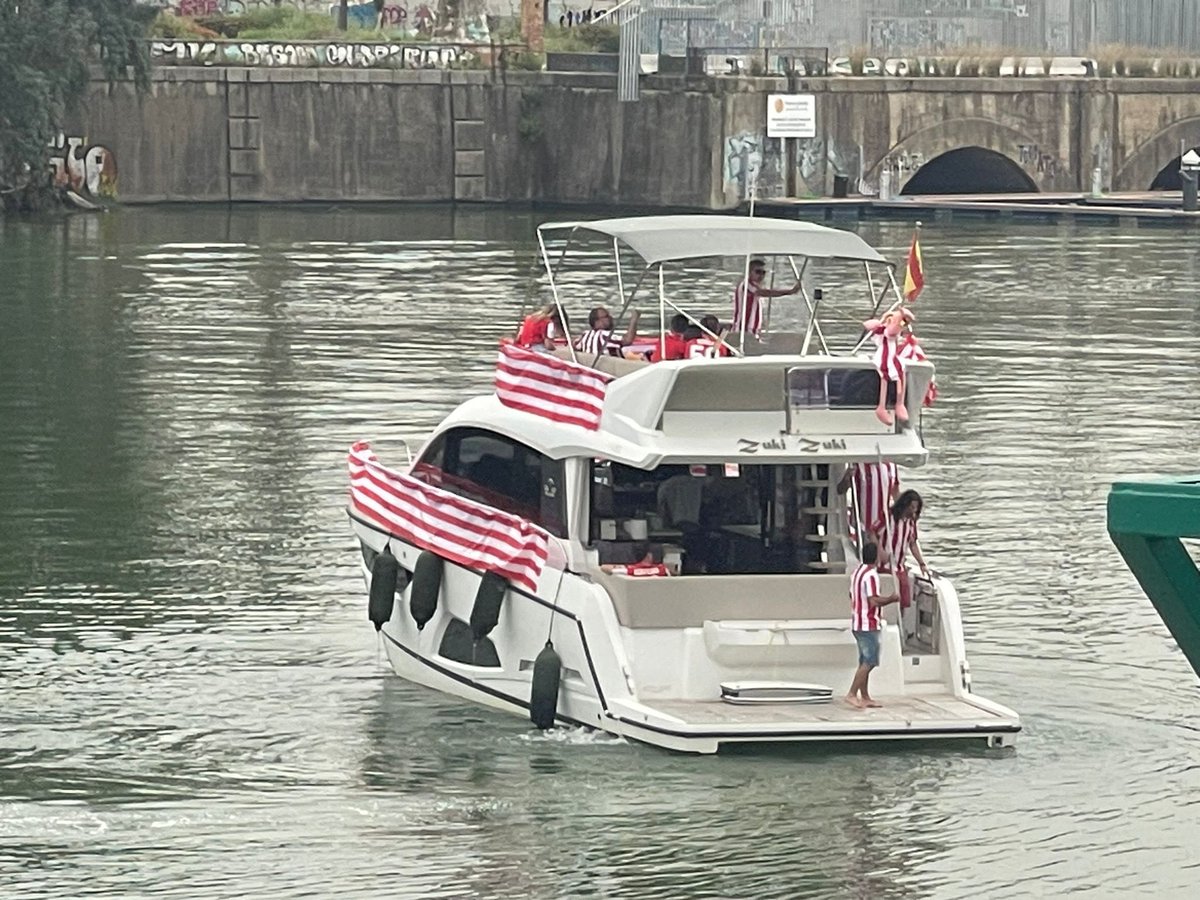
(1189, 168)
(533, 24)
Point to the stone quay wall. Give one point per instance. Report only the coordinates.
(228, 133)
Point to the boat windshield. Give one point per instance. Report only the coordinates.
(722, 519)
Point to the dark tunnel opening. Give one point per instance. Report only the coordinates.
(1167, 178)
(970, 170)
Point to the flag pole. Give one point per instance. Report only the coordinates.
(745, 285)
(887, 540)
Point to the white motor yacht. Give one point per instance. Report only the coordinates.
(727, 470)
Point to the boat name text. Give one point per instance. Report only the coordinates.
(791, 442)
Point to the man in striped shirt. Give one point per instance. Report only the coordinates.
(599, 340)
(866, 623)
(876, 485)
(747, 298)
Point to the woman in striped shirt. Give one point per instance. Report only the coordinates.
(900, 537)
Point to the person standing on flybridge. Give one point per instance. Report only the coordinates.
(866, 623)
(747, 298)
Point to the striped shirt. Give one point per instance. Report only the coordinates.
(874, 484)
(886, 358)
(864, 584)
(746, 303)
(598, 342)
(902, 534)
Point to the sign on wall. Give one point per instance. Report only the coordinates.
(791, 116)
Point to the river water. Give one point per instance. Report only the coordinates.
(194, 704)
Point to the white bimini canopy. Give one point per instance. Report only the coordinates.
(660, 239)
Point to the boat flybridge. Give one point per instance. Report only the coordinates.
(727, 473)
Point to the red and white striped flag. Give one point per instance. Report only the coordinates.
(550, 387)
(453, 527)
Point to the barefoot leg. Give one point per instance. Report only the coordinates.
(857, 686)
(871, 703)
(901, 408)
(881, 411)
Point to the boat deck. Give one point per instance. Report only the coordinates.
(704, 725)
(932, 709)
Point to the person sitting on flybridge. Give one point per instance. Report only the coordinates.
(673, 341)
(599, 340)
(701, 344)
(541, 329)
(747, 298)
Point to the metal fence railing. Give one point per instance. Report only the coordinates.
(803, 61)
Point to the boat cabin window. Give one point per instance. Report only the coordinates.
(498, 471)
(832, 388)
(728, 518)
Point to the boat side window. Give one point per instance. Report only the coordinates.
(429, 465)
(724, 519)
(832, 388)
(498, 471)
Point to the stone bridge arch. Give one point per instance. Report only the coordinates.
(970, 170)
(1138, 170)
(1039, 168)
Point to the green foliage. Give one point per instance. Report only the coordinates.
(180, 28)
(281, 23)
(584, 39)
(526, 61)
(284, 23)
(46, 47)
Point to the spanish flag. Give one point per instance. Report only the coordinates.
(914, 271)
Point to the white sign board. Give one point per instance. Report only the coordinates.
(791, 116)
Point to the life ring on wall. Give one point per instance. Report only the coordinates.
(426, 585)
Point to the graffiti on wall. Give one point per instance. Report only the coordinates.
(816, 156)
(285, 54)
(916, 33)
(421, 18)
(89, 169)
(416, 18)
(1032, 158)
(752, 162)
(192, 8)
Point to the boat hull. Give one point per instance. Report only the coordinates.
(599, 689)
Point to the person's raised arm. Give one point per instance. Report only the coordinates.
(778, 292)
(631, 331)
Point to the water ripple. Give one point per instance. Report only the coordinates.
(195, 705)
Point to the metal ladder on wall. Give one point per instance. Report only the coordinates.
(826, 527)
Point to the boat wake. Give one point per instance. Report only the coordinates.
(577, 736)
